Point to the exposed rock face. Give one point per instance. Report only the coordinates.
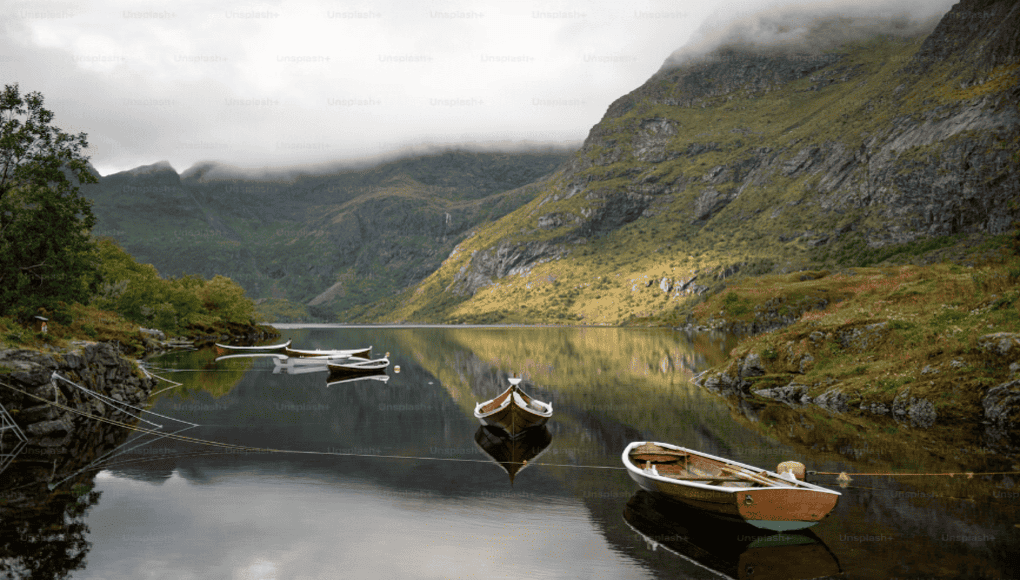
(97, 367)
(935, 165)
(501, 261)
(1002, 402)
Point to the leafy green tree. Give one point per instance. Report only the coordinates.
(137, 292)
(46, 250)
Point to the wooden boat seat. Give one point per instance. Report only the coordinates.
(642, 458)
(681, 472)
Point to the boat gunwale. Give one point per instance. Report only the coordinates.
(360, 364)
(800, 486)
(514, 387)
(266, 347)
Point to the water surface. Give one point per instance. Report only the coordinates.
(372, 479)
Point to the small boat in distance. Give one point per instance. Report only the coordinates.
(355, 352)
(356, 364)
(281, 346)
(513, 410)
(727, 488)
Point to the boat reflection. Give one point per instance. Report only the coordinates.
(342, 377)
(338, 371)
(512, 453)
(732, 549)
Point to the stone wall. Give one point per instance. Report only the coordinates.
(57, 436)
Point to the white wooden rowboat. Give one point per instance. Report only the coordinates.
(728, 488)
(281, 346)
(513, 410)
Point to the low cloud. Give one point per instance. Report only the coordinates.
(782, 27)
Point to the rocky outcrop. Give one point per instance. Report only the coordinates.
(998, 408)
(503, 260)
(1001, 403)
(922, 166)
(31, 381)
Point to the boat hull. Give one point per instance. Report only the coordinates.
(783, 508)
(356, 353)
(514, 420)
(277, 347)
(357, 364)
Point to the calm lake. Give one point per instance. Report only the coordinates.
(396, 479)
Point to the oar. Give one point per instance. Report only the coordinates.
(750, 476)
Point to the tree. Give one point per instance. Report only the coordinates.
(46, 250)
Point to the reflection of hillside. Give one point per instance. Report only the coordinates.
(425, 412)
(598, 379)
(215, 378)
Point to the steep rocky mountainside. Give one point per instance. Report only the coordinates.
(319, 243)
(753, 159)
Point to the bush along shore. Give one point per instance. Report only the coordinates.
(926, 354)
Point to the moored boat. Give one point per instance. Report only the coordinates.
(355, 352)
(355, 364)
(513, 410)
(281, 346)
(728, 488)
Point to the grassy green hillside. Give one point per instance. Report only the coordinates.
(680, 187)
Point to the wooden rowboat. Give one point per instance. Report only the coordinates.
(513, 410)
(727, 488)
(356, 352)
(355, 364)
(281, 346)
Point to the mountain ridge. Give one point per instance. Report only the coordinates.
(755, 161)
(290, 236)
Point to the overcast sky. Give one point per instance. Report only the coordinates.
(283, 83)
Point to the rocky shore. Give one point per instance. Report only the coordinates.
(30, 381)
(993, 414)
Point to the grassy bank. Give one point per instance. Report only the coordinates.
(866, 341)
(90, 324)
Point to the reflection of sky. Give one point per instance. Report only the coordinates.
(243, 528)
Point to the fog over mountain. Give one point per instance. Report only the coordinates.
(807, 27)
(277, 84)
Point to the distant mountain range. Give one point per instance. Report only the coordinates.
(741, 160)
(314, 245)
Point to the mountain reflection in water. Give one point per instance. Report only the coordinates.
(396, 479)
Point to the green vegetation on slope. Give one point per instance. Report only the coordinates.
(664, 203)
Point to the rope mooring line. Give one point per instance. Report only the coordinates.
(119, 450)
(844, 477)
(115, 402)
(251, 449)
